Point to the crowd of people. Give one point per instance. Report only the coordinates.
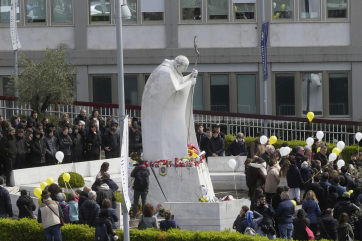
(33, 142)
(329, 196)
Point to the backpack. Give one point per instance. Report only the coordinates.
(250, 231)
(142, 180)
(101, 233)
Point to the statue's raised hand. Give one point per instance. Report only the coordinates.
(194, 73)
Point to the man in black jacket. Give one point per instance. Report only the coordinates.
(104, 191)
(200, 134)
(216, 145)
(89, 210)
(266, 225)
(5, 201)
(238, 146)
(110, 143)
(328, 226)
(141, 183)
(9, 151)
(322, 156)
(83, 195)
(135, 140)
(26, 205)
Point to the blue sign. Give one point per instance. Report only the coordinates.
(264, 48)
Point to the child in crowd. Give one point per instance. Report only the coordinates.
(73, 209)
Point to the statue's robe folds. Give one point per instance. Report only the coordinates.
(166, 115)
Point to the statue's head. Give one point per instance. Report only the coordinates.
(181, 63)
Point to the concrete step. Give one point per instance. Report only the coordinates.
(227, 180)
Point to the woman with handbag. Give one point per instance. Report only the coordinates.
(25, 205)
(51, 217)
(300, 223)
(104, 230)
(345, 231)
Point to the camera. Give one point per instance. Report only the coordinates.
(262, 203)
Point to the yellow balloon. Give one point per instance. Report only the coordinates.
(272, 140)
(66, 177)
(350, 191)
(336, 151)
(43, 185)
(283, 6)
(318, 149)
(37, 192)
(310, 116)
(295, 204)
(50, 180)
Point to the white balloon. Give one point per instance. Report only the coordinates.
(358, 136)
(281, 151)
(320, 135)
(287, 150)
(310, 141)
(60, 156)
(263, 140)
(232, 163)
(340, 163)
(332, 157)
(340, 145)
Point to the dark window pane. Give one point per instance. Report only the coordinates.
(338, 94)
(337, 8)
(6, 88)
(244, 10)
(191, 9)
(131, 89)
(100, 10)
(220, 92)
(102, 89)
(246, 93)
(284, 92)
(157, 16)
(35, 11)
(283, 9)
(218, 9)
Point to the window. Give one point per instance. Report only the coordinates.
(198, 103)
(244, 10)
(152, 11)
(246, 93)
(36, 11)
(337, 8)
(132, 5)
(219, 92)
(284, 93)
(217, 9)
(312, 93)
(102, 89)
(100, 11)
(62, 11)
(5, 6)
(191, 9)
(338, 94)
(7, 89)
(310, 9)
(283, 9)
(131, 89)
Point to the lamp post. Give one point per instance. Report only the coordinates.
(122, 11)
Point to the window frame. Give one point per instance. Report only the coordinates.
(47, 15)
(323, 82)
(227, 20)
(111, 15)
(229, 74)
(282, 20)
(274, 93)
(190, 21)
(346, 19)
(256, 7)
(349, 81)
(257, 97)
(300, 19)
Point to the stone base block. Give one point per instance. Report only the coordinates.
(225, 181)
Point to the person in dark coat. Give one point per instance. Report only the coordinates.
(65, 144)
(9, 151)
(240, 218)
(93, 144)
(107, 204)
(104, 227)
(256, 175)
(299, 155)
(25, 205)
(344, 228)
(82, 117)
(103, 192)
(37, 150)
(311, 207)
(284, 214)
(322, 156)
(328, 225)
(305, 173)
(205, 140)
(110, 143)
(52, 146)
(6, 209)
(78, 145)
(216, 145)
(89, 210)
(21, 149)
(83, 195)
(344, 205)
(266, 225)
(135, 139)
(332, 196)
(141, 183)
(200, 134)
(106, 178)
(295, 181)
(168, 222)
(238, 146)
(253, 219)
(299, 224)
(348, 180)
(269, 150)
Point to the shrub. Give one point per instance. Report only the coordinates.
(76, 180)
(31, 230)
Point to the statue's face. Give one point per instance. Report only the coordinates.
(181, 67)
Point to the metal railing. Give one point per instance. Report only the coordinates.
(285, 128)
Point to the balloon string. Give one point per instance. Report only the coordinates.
(317, 172)
(235, 186)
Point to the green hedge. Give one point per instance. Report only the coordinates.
(31, 230)
(76, 180)
(346, 153)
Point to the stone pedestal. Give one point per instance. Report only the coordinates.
(206, 216)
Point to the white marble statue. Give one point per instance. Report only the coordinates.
(166, 115)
